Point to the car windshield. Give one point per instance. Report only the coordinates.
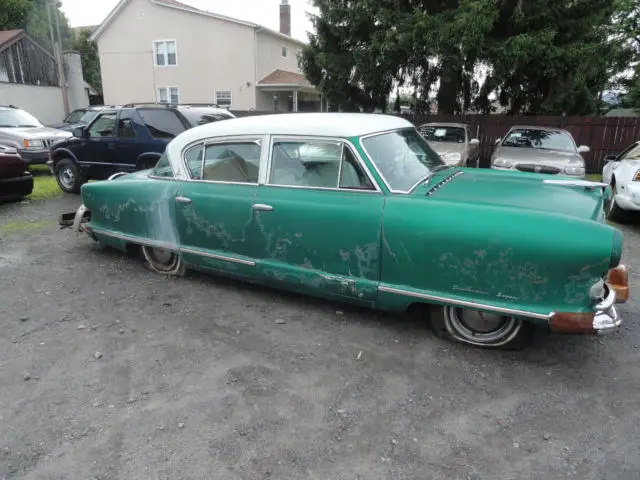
(439, 133)
(544, 139)
(202, 115)
(88, 116)
(402, 157)
(14, 118)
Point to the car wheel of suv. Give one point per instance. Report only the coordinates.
(68, 176)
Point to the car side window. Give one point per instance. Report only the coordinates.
(162, 123)
(316, 164)
(103, 126)
(193, 158)
(125, 127)
(352, 176)
(163, 167)
(237, 161)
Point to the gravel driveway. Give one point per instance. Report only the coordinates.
(108, 371)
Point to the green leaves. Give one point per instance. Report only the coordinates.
(543, 56)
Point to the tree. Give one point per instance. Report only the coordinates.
(542, 56)
(14, 13)
(38, 26)
(90, 60)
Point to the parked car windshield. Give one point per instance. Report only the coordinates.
(403, 157)
(14, 118)
(202, 115)
(438, 133)
(88, 116)
(544, 139)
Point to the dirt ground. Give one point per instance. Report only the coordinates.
(108, 371)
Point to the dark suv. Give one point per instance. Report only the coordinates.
(124, 139)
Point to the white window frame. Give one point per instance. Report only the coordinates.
(215, 96)
(166, 54)
(168, 88)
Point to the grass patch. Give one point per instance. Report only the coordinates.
(594, 177)
(45, 187)
(44, 184)
(23, 226)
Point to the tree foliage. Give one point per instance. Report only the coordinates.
(14, 13)
(538, 56)
(88, 51)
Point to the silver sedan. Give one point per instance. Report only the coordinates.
(540, 150)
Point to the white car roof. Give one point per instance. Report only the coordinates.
(320, 124)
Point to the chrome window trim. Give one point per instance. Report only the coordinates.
(344, 142)
(384, 180)
(137, 240)
(466, 303)
(216, 256)
(219, 140)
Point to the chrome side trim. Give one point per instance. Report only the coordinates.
(218, 257)
(464, 303)
(116, 175)
(137, 240)
(577, 183)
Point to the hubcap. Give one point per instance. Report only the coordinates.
(66, 177)
(481, 328)
(162, 260)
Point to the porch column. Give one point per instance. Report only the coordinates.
(295, 100)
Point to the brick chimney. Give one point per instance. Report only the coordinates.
(285, 18)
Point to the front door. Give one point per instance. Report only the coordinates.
(214, 214)
(318, 220)
(97, 155)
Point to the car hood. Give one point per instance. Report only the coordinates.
(39, 133)
(512, 189)
(447, 147)
(539, 156)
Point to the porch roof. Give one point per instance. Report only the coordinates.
(282, 78)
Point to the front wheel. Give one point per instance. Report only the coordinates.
(614, 212)
(482, 329)
(68, 176)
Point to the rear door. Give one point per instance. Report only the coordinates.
(127, 146)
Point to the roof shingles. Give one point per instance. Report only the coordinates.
(7, 35)
(283, 77)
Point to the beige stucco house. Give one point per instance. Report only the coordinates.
(166, 51)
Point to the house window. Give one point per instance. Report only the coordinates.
(168, 95)
(223, 98)
(284, 51)
(165, 53)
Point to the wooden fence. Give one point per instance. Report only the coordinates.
(603, 135)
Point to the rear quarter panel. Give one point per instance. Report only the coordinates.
(501, 256)
(134, 206)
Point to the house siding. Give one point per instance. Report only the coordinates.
(212, 55)
(270, 54)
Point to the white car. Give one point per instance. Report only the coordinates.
(622, 172)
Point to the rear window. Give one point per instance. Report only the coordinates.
(201, 116)
(162, 123)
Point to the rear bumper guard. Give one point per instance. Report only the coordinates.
(77, 220)
(604, 319)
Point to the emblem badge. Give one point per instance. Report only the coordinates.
(537, 169)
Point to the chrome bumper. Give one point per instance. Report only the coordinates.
(606, 318)
(78, 218)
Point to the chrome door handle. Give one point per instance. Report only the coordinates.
(183, 200)
(261, 207)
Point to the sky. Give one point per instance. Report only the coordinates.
(263, 12)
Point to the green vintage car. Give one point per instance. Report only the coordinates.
(359, 208)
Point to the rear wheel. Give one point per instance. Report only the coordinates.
(68, 176)
(163, 261)
(482, 329)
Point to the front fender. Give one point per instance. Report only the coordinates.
(526, 260)
(62, 152)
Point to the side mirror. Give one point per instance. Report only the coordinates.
(583, 149)
(610, 158)
(497, 140)
(78, 132)
(474, 141)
